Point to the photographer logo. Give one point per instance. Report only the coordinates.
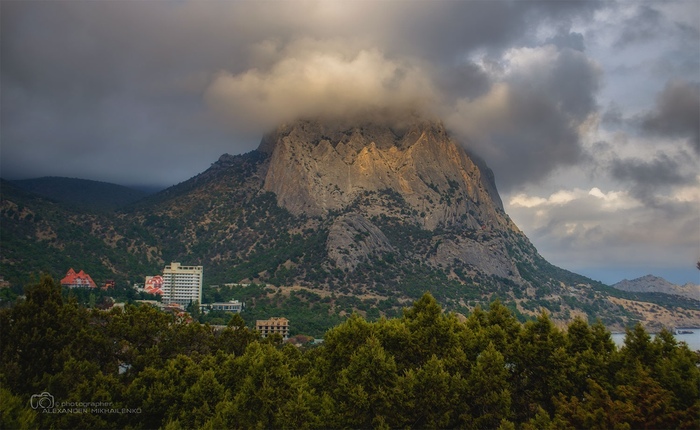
(46, 404)
(43, 401)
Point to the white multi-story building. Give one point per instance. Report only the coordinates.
(182, 284)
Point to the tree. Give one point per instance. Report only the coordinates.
(489, 390)
(236, 337)
(38, 336)
(597, 410)
(160, 390)
(638, 347)
(339, 345)
(200, 400)
(540, 367)
(15, 412)
(194, 310)
(432, 332)
(265, 385)
(135, 330)
(590, 351)
(302, 410)
(367, 388)
(431, 394)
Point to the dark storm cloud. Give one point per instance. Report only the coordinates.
(677, 113)
(439, 31)
(574, 41)
(641, 27)
(662, 170)
(613, 115)
(648, 177)
(82, 97)
(463, 80)
(528, 124)
(105, 89)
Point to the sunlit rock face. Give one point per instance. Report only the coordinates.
(319, 167)
(412, 170)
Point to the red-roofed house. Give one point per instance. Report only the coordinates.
(77, 280)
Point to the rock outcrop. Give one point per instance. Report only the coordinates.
(316, 168)
(353, 238)
(415, 172)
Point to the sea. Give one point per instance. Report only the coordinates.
(692, 339)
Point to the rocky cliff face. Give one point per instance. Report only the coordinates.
(416, 172)
(319, 167)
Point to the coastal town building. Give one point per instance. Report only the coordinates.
(153, 285)
(273, 325)
(230, 306)
(77, 280)
(182, 284)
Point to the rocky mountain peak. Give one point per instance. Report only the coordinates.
(655, 284)
(366, 178)
(318, 167)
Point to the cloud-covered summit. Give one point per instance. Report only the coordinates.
(193, 79)
(312, 81)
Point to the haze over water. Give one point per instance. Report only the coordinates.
(693, 339)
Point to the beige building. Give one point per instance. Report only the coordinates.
(273, 325)
(182, 284)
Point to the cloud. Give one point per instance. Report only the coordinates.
(573, 41)
(527, 125)
(610, 201)
(96, 81)
(649, 176)
(677, 113)
(515, 80)
(316, 83)
(641, 26)
(569, 223)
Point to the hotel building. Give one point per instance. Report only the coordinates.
(182, 284)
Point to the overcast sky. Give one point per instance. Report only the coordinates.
(588, 113)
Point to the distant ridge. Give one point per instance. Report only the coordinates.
(655, 284)
(87, 194)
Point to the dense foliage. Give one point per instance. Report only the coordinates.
(426, 369)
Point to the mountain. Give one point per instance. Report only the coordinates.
(326, 218)
(655, 284)
(418, 178)
(370, 210)
(366, 206)
(40, 235)
(87, 194)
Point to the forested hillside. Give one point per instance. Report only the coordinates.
(86, 194)
(426, 369)
(38, 235)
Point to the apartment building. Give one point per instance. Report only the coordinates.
(273, 325)
(182, 284)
